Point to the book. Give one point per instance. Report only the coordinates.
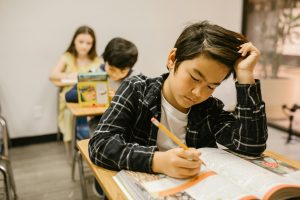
(92, 89)
(224, 176)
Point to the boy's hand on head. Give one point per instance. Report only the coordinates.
(177, 162)
(245, 65)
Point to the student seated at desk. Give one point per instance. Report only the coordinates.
(119, 57)
(204, 55)
(81, 56)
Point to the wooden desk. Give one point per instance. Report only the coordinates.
(112, 190)
(103, 176)
(79, 111)
(275, 155)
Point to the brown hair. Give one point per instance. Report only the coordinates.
(83, 30)
(210, 40)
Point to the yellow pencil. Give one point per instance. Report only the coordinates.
(168, 133)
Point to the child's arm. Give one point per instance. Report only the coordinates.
(58, 71)
(246, 131)
(114, 144)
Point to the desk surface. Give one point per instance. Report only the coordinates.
(103, 176)
(79, 111)
(62, 83)
(113, 191)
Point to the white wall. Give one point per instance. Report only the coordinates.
(34, 33)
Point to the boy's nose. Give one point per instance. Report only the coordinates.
(197, 91)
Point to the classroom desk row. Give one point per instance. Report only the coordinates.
(112, 190)
(80, 111)
(104, 176)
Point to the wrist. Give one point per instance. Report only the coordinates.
(156, 162)
(245, 77)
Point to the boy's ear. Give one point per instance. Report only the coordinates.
(171, 59)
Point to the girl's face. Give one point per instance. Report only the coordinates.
(83, 44)
(115, 73)
(193, 82)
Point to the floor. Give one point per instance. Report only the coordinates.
(277, 142)
(42, 171)
(284, 124)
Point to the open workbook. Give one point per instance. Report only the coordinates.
(225, 176)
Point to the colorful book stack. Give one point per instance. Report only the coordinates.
(93, 89)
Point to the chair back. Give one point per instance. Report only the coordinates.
(4, 137)
(5, 165)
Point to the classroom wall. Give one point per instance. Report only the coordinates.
(34, 33)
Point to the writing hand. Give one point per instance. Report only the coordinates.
(177, 162)
(111, 93)
(245, 65)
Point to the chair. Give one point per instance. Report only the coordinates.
(5, 165)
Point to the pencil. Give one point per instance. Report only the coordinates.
(169, 133)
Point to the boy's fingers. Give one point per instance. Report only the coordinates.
(190, 154)
(188, 172)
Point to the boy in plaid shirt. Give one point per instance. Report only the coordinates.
(204, 55)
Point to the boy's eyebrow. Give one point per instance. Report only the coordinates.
(202, 76)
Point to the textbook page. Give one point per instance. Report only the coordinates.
(207, 185)
(224, 176)
(227, 176)
(124, 190)
(257, 179)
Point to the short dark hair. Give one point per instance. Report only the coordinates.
(213, 41)
(120, 53)
(83, 30)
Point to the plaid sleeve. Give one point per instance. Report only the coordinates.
(246, 130)
(112, 146)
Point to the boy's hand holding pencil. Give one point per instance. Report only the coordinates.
(178, 162)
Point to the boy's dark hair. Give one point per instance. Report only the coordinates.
(120, 53)
(209, 40)
(83, 30)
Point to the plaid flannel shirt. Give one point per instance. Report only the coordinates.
(126, 139)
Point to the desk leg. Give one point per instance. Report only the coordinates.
(58, 134)
(74, 149)
(82, 179)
